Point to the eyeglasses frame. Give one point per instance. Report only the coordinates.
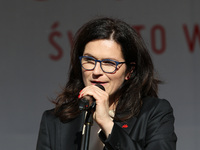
(96, 60)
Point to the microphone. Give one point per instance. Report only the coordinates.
(88, 102)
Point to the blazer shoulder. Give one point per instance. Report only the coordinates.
(153, 103)
(49, 112)
(153, 106)
(49, 115)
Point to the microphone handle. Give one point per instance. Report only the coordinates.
(88, 102)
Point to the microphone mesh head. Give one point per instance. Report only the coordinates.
(100, 86)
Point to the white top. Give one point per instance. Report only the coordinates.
(95, 142)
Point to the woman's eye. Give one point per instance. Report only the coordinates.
(111, 63)
(89, 60)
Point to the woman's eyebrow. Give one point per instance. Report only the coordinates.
(87, 54)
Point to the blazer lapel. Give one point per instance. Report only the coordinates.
(69, 133)
(127, 125)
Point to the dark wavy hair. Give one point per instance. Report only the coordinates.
(142, 82)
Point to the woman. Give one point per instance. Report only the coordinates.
(128, 113)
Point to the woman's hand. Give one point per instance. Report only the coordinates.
(100, 115)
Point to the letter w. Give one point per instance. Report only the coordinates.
(191, 40)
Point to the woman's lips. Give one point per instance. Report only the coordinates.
(98, 82)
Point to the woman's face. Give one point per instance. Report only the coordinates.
(104, 49)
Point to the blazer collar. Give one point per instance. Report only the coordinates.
(127, 125)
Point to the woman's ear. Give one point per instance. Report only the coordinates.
(128, 75)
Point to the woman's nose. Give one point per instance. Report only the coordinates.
(97, 70)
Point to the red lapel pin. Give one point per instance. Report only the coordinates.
(125, 126)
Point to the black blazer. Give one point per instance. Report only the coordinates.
(152, 129)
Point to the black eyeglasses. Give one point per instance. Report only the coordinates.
(107, 65)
